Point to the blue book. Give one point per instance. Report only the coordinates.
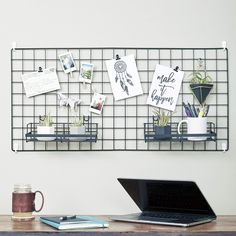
(78, 222)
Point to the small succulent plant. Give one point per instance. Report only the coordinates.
(200, 76)
(162, 118)
(77, 122)
(45, 120)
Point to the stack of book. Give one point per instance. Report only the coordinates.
(74, 222)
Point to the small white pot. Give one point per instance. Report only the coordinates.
(77, 130)
(45, 130)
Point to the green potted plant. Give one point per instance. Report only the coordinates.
(45, 127)
(78, 128)
(201, 83)
(160, 124)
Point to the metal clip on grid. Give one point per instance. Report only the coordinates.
(176, 69)
(117, 57)
(13, 46)
(224, 45)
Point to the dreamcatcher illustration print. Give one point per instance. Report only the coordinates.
(123, 76)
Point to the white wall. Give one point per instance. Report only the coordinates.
(86, 182)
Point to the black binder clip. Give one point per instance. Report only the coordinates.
(176, 69)
(117, 57)
(40, 69)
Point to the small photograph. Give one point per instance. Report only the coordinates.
(67, 62)
(97, 103)
(86, 73)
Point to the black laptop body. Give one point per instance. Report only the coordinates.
(167, 202)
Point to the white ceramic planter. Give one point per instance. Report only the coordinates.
(45, 130)
(79, 131)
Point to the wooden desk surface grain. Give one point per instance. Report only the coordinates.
(224, 225)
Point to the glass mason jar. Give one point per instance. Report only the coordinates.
(23, 202)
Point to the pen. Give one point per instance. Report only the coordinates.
(207, 110)
(190, 109)
(195, 111)
(188, 113)
(67, 217)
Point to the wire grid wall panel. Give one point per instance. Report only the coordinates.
(121, 124)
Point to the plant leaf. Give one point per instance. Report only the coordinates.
(116, 78)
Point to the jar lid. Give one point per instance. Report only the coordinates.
(22, 188)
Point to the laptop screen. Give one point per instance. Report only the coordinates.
(167, 196)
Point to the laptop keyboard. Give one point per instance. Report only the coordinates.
(171, 216)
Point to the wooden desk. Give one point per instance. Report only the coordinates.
(224, 225)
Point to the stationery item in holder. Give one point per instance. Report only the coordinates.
(165, 87)
(67, 62)
(23, 204)
(68, 102)
(195, 125)
(194, 111)
(97, 103)
(86, 72)
(74, 222)
(40, 82)
(46, 128)
(124, 77)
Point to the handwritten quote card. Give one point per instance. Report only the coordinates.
(165, 87)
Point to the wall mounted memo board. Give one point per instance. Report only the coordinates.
(121, 125)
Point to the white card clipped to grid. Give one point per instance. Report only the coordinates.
(36, 83)
(165, 87)
(124, 78)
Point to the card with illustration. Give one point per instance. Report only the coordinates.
(124, 78)
(165, 87)
(86, 72)
(97, 103)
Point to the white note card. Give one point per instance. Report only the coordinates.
(40, 82)
(165, 87)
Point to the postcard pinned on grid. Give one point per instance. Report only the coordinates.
(40, 82)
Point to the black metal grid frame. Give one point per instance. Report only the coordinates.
(121, 125)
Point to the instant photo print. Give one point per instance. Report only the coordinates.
(86, 72)
(97, 103)
(67, 62)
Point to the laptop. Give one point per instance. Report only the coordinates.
(165, 202)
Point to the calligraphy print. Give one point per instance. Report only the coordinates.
(165, 88)
(124, 78)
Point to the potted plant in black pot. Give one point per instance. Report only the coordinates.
(201, 83)
(160, 123)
